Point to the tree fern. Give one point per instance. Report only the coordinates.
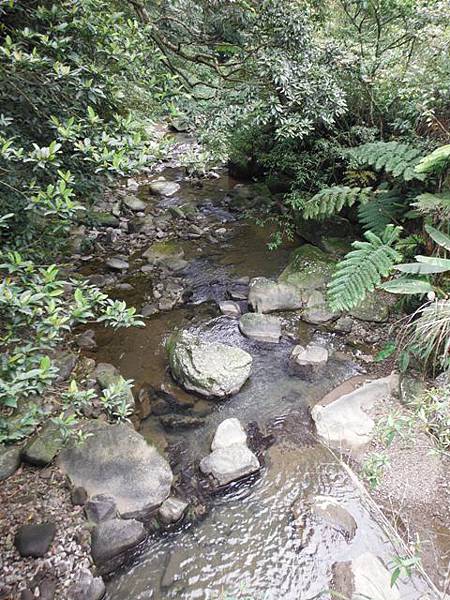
(331, 200)
(384, 208)
(362, 269)
(436, 162)
(397, 159)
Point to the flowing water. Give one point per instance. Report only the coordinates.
(249, 544)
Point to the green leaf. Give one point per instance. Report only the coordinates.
(420, 268)
(440, 238)
(434, 260)
(407, 286)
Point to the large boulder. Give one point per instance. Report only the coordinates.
(111, 539)
(309, 268)
(363, 577)
(260, 327)
(116, 460)
(210, 369)
(267, 296)
(230, 459)
(344, 422)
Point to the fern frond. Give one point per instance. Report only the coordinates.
(397, 159)
(362, 269)
(436, 206)
(436, 162)
(330, 201)
(384, 208)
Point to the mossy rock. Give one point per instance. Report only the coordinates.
(374, 309)
(336, 246)
(159, 252)
(103, 219)
(44, 446)
(309, 268)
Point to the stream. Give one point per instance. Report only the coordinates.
(248, 544)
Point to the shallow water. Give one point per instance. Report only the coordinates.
(248, 545)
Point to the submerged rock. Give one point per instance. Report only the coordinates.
(34, 539)
(116, 460)
(210, 369)
(343, 423)
(333, 514)
(111, 539)
(267, 296)
(163, 252)
(230, 459)
(260, 327)
(309, 268)
(309, 362)
(363, 577)
(181, 421)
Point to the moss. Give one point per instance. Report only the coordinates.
(309, 268)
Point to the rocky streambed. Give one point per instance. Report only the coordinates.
(229, 482)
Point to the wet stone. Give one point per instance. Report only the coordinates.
(230, 464)
(228, 433)
(111, 539)
(260, 327)
(172, 510)
(230, 308)
(308, 362)
(34, 539)
(87, 587)
(181, 422)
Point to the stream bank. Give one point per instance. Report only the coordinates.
(178, 256)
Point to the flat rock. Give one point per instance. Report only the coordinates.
(117, 264)
(34, 539)
(111, 539)
(100, 508)
(117, 461)
(363, 577)
(230, 464)
(316, 310)
(161, 252)
(172, 510)
(230, 308)
(9, 461)
(161, 187)
(343, 423)
(309, 362)
(134, 203)
(260, 327)
(210, 369)
(267, 296)
(87, 587)
(43, 447)
(229, 433)
(309, 268)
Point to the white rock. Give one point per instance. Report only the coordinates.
(230, 464)
(228, 433)
(260, 327)
(310, 361)
(344, 423)
(171, 510)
